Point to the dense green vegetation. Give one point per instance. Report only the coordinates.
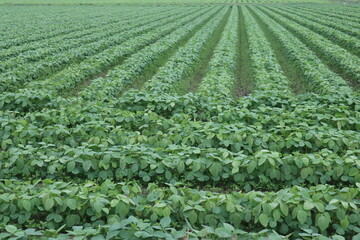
(192, 121)
(156, 2)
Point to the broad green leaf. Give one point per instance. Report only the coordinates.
(308, 205)
(284, 209)
(320, 206)
(166, 212)
(180, 166)
(71, 203)
(215, 169)
(193, 217)
(123, 209)
(276, 214)
(223, 232)
(164, 222)
(86, 165)
(10, 228)
(228, 226)
(301, 216)
(70, 166)
(58, 218)
(98, 206)
(304, 173)
(264, 219)
(323, 222)
(250, 168)
(345, 223)
(71, 220)
(48, 203)
(27, 205)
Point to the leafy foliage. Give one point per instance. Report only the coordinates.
(85, 156)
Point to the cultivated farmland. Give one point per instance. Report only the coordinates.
(202, 120)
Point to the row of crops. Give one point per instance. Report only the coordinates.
(180, 122)
(154, 2)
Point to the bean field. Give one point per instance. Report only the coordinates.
(195, 120)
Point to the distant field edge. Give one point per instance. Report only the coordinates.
(166, 2)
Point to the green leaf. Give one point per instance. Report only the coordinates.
(308, 136)
(71, 220)
(180, 166)
(5, 142)
(215, 169)
(344, 223)
(86, 165)
(250, 168)
(192, 217)
(320, 207)
(304, 173)
(264, 219)
(98, 206)
(262, 161)
(166, 212)
(168, 175)
(48, 203)
(123, 210)
(116, 155)
(340, 213)
(146, 178)
(134, 167)
(70, 166)
(3, 145)
(230, 207)
(154, 217)
(276, 214)
(11, 228)
(57, 218)
(223, 232)
(331, 144)
(27, 205)
(323, 222)
(71, 203)
(228, 226)
(301, 216)
(164, 222)
(308, 205)
(216, 210)
(284, 209)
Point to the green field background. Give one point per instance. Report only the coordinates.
(166, 1)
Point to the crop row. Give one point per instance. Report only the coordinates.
(160, 132)
(321, 78)
(334, 111)
(12, 80)
(136, 228)
(323, 208)
(344, 14)
(26, 97)
(309, 111)
(34, 50)
(338, 56)
(28, 26)
(268, 73)
(192, 165)
(300, 118)
(219, 78)
(168, 80)
(336, 24)
(39, 94)
(62, 43)
(28, 31)
(120, 77)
